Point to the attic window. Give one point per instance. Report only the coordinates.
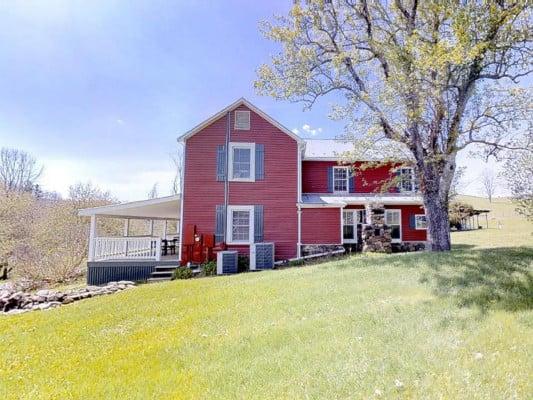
(242, 120)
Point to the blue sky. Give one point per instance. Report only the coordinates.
(99, 90)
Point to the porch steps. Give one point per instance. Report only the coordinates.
(162, 273)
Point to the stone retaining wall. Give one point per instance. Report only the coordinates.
(14, 301)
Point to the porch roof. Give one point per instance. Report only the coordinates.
(163, 208)
(311, 200)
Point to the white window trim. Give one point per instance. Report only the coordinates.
(237, 127)
(416, 222)
(413, 181)
(229, 224)
(355, 215)
(400, 212)
(347, 181)
(242, 145)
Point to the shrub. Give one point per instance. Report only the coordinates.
(182, 273)
(210, 268)
(243, 264)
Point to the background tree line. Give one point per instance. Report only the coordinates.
(42, 238)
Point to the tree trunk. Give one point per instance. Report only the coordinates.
(436, 179)
(438, 224)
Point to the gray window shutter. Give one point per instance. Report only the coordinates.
(330, 179)
(351, 182)
(221, 163)
(259, 162)
(412, 222)
(258, 224)
(220, 223)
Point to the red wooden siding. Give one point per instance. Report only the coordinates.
(408, 233)
(277, 192)
(315, 177)
(321, 226)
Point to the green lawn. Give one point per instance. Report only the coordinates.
(435, 326)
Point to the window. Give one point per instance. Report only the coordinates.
(242, 162)
(420, 222)
(240, 224)
(348, 227)
(350, 221)
(340, 179)
(406, 180)
(242, 120)
(393, 218)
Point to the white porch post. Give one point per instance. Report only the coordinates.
(342, 226)
(299, 248)
(151, 227)
(92, 236)
(165, 227)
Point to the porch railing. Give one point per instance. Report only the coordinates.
(127, 248)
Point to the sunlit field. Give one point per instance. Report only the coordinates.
(418, 325)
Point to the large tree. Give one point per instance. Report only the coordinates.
(19, 171)
(433, 76)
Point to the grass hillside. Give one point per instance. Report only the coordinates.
(419, 325)
(515, 229)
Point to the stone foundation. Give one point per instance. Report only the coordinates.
(376, 236)
(311, 249)
(408, 247)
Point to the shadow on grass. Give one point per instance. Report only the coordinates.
(495, 278)
(498, 278)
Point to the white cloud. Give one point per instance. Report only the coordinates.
(308, 130)
(120, 121)
(295, 130)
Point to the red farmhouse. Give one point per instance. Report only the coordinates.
(248, 179)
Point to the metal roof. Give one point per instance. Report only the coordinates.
(333, 200)
(334, 149)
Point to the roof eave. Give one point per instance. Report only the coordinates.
(87, 212)
(231, 107)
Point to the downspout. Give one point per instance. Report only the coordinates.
(299, 201)
(182, 192)
(226, 177)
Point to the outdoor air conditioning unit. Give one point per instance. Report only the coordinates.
(227, 262)
(261, 256)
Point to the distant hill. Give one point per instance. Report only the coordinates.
(501, 207)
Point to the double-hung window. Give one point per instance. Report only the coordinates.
(351, 219)
(240, 224)
(406, 179)
(341, 176)
(242, 162)
(393, 218)
(420, 222)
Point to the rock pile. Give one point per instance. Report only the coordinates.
(13, 301)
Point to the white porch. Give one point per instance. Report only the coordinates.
(164, 246)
